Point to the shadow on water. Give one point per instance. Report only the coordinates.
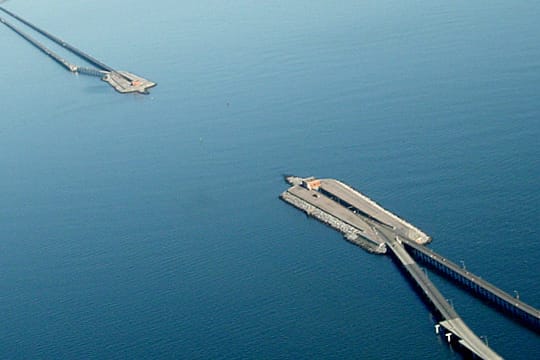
(95, 89)
(526, 320)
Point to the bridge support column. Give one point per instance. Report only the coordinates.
(448, 336)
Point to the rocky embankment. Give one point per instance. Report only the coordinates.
(350, 233)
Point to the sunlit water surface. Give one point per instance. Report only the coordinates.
(150, 226)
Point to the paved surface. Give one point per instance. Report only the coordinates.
(452, 322)
(369, 207)
(529, 310)
(435, 297)
(40, 46)
(125, 82)
(60, 42)
(322, 202)
(381, 226)
(121, 81)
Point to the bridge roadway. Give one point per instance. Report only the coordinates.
(61, 42)
(121, 81)
(451, 321)
(40, 46)
(71, 67)
(482, 288)
(378, 225)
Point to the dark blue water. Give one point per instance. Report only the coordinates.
(149, 226)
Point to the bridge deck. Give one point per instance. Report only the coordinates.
(40, 46)
(452, 322)
(121, 81)
(351, 207)
(490, 291)
(60, 42)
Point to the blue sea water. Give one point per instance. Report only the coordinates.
(150, 226)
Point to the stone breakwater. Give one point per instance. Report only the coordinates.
(351, 234)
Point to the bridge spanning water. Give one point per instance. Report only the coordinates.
(367, 224)
(510, 305)
(121, 81)
(450, 324)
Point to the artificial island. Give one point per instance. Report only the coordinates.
(365, 223)
(122, 81)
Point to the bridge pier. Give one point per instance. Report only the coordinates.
(454, 328)
(510, 305)
(448, 337)
(338, 201)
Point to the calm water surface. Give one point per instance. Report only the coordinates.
(149, 226)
